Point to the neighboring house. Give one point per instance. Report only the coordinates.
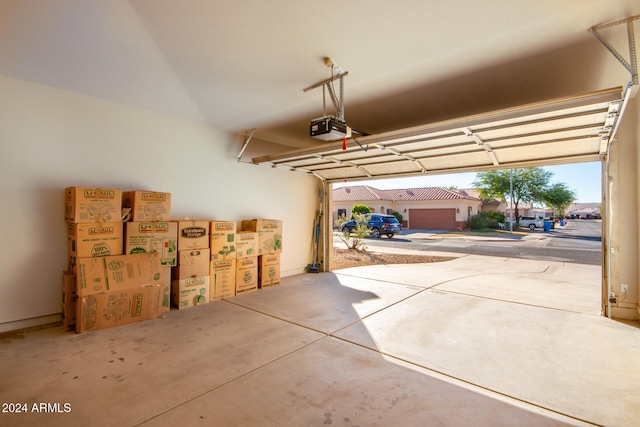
(584, 210)
(575, 210)
(524, 209)
(431, 208)
(487, 205)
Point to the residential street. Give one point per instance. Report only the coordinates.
(579, 242)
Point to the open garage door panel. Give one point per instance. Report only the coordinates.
(432, 219)
(567, 130)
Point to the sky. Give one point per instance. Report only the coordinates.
(584, 179)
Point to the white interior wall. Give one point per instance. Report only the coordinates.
(51, 139)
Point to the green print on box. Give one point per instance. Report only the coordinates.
(247, 276)
(149, 237)
(226, 250)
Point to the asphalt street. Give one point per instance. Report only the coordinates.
(579, 242)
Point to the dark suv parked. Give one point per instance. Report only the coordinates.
(379, 224)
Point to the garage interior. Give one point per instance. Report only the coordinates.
(207, 101)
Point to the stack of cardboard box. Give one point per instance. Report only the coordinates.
(222, 267)
(190, 285)
(93, 220)
(151, 231)
(269, 233)
(108, 287)
(94, 229)
(247, 261)
(116, 290)
(122, 272)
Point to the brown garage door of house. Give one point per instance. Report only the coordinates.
(432, 219)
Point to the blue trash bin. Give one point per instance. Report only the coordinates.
(562, 223)
(547, 226)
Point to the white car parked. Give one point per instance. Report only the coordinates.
(530, 222)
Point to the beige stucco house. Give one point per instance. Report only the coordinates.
(432, 208)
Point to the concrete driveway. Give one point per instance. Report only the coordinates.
(480, 341)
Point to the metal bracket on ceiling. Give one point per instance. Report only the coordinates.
(325, 81)
(482, 144)
(632, 64)
(247, 139)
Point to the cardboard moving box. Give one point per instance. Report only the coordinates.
(83, 204)
(148, 205)
(246, 244)
(268, 270)
(222, 240)
(193, 234)
(222, 275)
(246, 275)
(190, 292)
(87, 240)
(117, 307)
(269, 234)
(192, 263)
(147, 236)
(96, 275)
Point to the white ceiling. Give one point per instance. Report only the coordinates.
(239, 65)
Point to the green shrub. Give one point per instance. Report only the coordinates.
(360, 208)
(493, 216)
(478, 222)
(485, 220)
(398, 216)
(354, 239)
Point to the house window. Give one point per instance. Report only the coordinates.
(342, 212)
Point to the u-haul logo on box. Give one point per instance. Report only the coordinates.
(223, 226)
(195, 281)
(223, 264)
(98, 193)
(154, 197)
(136, 305)
(153, 227)
(96, 231)
(269, 225)
(249, 236)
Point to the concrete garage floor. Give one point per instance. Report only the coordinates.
(479, 341)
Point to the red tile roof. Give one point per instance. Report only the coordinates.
(355, 193)
(366, 193)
